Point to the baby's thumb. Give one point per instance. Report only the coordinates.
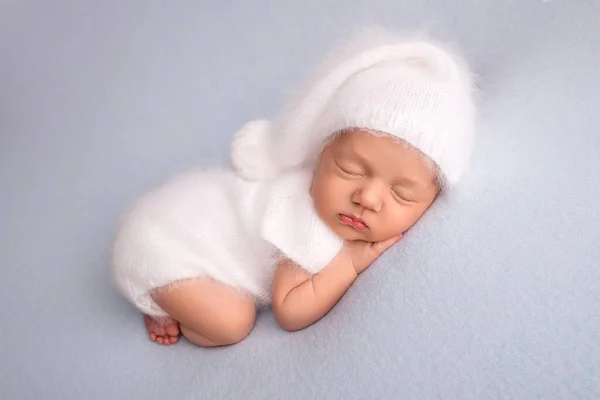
(386, 244)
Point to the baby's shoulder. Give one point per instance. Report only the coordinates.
(292, 225)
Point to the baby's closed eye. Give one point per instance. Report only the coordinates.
(403, 194)
(350, 169)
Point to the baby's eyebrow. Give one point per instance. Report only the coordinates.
(351, 152)
(404, 181)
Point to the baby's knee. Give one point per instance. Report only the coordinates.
(232, 327)
(239, 324)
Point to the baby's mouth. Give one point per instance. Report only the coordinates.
(353, 221)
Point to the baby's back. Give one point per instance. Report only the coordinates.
(201, 223)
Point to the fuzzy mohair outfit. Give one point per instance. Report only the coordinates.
(234, 225)
(215, 224)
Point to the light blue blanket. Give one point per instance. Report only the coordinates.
(495, 294)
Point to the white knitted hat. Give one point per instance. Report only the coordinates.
(414, 90)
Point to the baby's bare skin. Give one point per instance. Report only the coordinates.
(209, 313)
(162, 330)
(368, 190)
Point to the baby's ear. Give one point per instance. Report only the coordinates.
(250, 151)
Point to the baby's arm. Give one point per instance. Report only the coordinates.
(300, 299)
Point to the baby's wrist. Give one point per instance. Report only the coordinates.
(355, 270)
(351, 266)
(343, 264)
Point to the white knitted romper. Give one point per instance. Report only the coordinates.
(215, 224)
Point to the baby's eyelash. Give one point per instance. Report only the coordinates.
(403, 198)
(353, 173)
(349, 172)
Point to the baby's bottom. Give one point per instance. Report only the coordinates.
(209, 313)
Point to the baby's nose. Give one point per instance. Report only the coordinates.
(370, 196)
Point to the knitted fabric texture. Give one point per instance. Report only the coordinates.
(415, 90)
(215, 224)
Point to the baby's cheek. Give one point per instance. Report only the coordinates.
(409, 218)
(320, 198)
(389, 233)
(396, 224)
(324, 191)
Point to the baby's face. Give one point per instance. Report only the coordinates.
(371, 188)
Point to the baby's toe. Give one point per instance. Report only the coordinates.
(172, 330)
(173, 339)
(159, 339)
(152, 336)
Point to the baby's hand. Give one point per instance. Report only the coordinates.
(362, 254)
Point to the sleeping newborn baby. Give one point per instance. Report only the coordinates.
(314, 196)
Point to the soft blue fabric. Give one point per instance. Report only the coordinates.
(495, 294)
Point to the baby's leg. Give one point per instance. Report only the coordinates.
(210, 314)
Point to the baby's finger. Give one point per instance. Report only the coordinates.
(386, 244)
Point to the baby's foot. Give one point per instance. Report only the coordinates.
(162, 330)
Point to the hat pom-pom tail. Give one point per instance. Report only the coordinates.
(250, 151)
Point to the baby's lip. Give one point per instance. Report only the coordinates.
(355, 219)
(358, 219)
